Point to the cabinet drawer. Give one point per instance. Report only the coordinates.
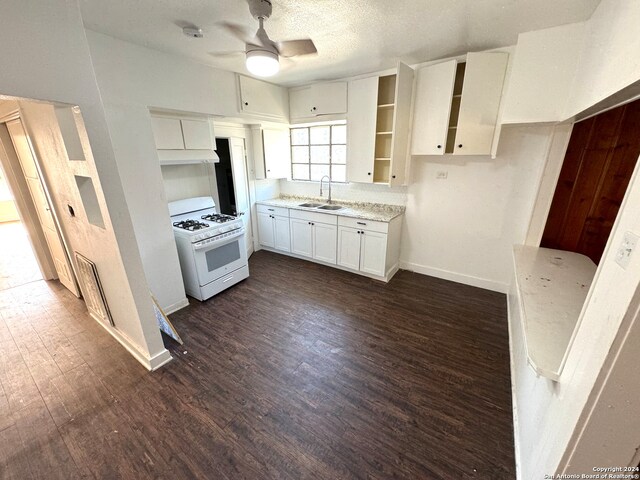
(369, 225)
(278, 211)
(314, 217)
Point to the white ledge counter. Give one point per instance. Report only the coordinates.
(551, 287)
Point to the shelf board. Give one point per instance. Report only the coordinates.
(386, 105)
(458, 95)
(382, 159)
(384, 133)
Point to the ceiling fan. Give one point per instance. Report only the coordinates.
(262, 53)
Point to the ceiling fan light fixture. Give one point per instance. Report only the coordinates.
(262, 63)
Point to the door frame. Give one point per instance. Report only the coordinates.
(26, 207)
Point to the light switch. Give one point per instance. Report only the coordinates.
(442, 175)
(628, 245)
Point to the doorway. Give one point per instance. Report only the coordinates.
(18, 265)
(600, 159)
(224, 178)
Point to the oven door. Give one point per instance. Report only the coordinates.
(218, 257)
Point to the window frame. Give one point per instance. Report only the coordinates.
(308, 127)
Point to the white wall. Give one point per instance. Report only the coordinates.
(184, 181)
(132, 79)
(353, 192)
(45, 56)
(547, 411)
(610, 58)
(463, 228)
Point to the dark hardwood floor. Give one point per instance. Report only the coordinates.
(299, 372)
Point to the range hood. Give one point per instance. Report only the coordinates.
(186, 157)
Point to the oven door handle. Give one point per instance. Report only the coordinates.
(204, 244)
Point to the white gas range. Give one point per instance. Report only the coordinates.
(211, 246)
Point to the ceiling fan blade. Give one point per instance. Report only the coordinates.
(227, 54)
(238, 31)
(293, 48)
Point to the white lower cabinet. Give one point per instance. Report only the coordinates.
(369, 247)
(362, 250)
(273, 228)
(312, 238)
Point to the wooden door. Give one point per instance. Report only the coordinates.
(325, 242)
(401, 123)
(597, 168)
(29, 168)
(432, 108)
(241, 185)
(373, 253)
(361, 134)
(265, 230)
(301, 237)
(481, 94)
(276, 145)
(282, 233)
(349, 248)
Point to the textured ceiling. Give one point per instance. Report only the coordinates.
(352, 36)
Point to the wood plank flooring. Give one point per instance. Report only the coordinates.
(299, 372)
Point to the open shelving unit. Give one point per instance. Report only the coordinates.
(384, 128)
(455, 108)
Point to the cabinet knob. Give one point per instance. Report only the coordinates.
(246, 103)
(439, 146)
(313, 109)
(369, 173)
(393, 176)
(459, 145)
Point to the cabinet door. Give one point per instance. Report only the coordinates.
(349, 248)
(301, 237)
(300, 103)
(282, 233)
(265, 230)
(401, 121)
(432, 108)
(361, 134)
(329, 98)
(481, 93)
(277, 152)
(168, 133)
(325, 242)
(262, 98)
(373, 253)
(197, 135)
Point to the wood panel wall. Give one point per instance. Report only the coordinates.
(600, 159)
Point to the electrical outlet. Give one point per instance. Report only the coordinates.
(628, 245)
(442, 175)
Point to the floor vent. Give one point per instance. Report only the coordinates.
(92, 290)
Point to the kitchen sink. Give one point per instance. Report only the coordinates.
(310, 205)
(331, 207)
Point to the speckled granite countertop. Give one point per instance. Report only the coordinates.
(367, 211)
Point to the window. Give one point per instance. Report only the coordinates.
(319, 151)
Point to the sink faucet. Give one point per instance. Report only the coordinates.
(322, 180)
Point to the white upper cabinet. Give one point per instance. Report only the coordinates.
(481, 94)
(272, 150)
(432, 107)
(378, 134)
(197, 134)
(167, 133)
(262, 98)
(361, 132)
(456, 105)
(316, 100)
(182, 140)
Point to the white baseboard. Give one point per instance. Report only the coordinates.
(150, 363)
(456, 277)
(176, 306)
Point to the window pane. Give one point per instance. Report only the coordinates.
(300, 154)
(300, 172)
(320, 154)
(339, 173)
(299, 136)
(339, 134)
(339, 154)
(319, 135)
(319, 171)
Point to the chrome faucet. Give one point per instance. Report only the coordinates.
(322, 180)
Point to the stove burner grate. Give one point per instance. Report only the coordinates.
(218, 217)
(191, 225)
